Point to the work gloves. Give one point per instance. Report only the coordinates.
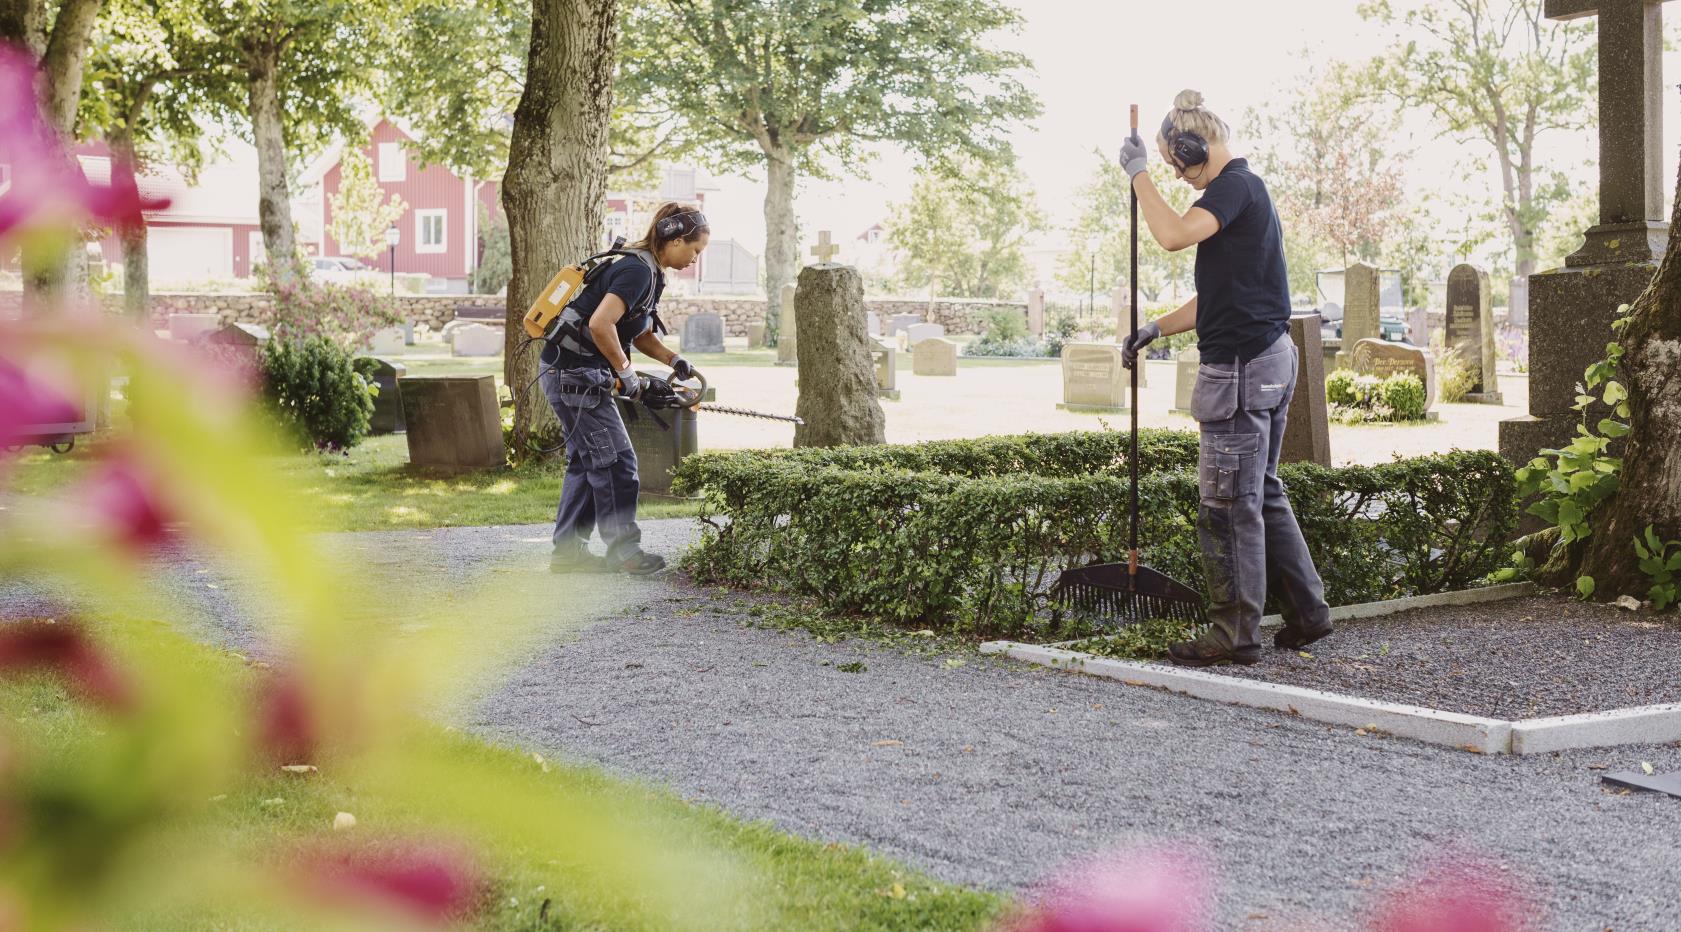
(1134, 157)
(681, 370)
(630, 384)
(1144, 337)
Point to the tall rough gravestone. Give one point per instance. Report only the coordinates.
(1307, 431)
(703, 333)
(1359, 310)
(837, 380)
(787, 342)
(1036, 311)
(1470, 330)
(1571, 309)
(453, 422)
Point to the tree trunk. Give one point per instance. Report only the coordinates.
(24, 23)
(782, 246)
(1650, 490)
(136, 283)
(274, 198)
(61, 65)
(555, 187)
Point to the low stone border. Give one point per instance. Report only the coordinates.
(1638, 725)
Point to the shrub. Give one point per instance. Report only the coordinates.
(312, 386)
(1454, 376)
(1403, 394)
(1339, 387)
(347, 316)
(1005, 334)
(1059, 331)
(971, 537)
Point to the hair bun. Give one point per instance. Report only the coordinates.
(1188, 100)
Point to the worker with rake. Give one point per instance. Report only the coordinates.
(1250, 541)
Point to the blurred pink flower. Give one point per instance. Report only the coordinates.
(47, 188)
(122, 496)
(1126, 891)
(25, 402)
(430, 881)
(286, 727)
(66, 651)
(1458, 894)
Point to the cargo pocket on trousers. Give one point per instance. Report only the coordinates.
(1215, 396)
(1267, 380)
(1227, 465)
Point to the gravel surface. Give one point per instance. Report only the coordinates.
(1518, 658)
(994, 773)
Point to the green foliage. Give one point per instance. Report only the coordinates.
(1454, 375)
(303, 308)
(361, 212)
(963, 233)
(1403, 393)
(1005, 334)
(1574, 480)
(1145, 640)
(970, 535)
(1060, 328)
(313, 388)
(1660, 560)
(496, 261)
(1162, 275)
(1356, 398)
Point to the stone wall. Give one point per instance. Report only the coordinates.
(957, 315)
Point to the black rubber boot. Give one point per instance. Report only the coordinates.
(643, 564)
(1206, 652)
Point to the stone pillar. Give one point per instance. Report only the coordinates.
(837, 374)
(787, 346)
(1359, 309)
(1307, 432)
(1036, 311)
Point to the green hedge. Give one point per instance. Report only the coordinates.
(976, 547)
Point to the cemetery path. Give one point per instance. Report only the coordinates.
(992, 772)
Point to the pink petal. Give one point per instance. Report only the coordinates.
(430, 881)
(66, 651)
(1457, 895)
(1127, 891)
(26, 403)
(125, 500)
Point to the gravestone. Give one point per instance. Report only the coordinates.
(1517, 303)
(386, 342)
(1470, 330)
(1570, 309)
(453, 422)
(872, 323)
(934, 356)
(1418, 326)
(1093, 378)
(1185, 378)
(703, 333)
(476, 340)
(1383, 359)
(1036, 311)
(824, 250)
(388, 404)
(884, 357)
(787, 343)
(185, 328)
(240, 346)
(899, 323)
(448, 333)
(916, 333)
(1307, 431)
(756, 334)
(837, 397)
(408, 333)
(1359, 310)
(659, 450)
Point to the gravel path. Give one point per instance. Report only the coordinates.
(1519, 658)
(993, 773)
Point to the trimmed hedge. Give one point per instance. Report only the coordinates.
(968, 543)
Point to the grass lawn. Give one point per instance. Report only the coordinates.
(785, 882)
(372, 489)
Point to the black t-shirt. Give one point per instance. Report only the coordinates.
(628, 277)
(1243, 288)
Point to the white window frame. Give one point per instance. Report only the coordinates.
(420, 219)
(393, 163)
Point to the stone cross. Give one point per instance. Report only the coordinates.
(1631, 208)
(824, 250)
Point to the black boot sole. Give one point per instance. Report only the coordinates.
(1288, 638)
(1242, 660)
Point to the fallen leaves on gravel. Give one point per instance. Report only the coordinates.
(886, 743)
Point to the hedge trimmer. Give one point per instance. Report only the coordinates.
(664, 393)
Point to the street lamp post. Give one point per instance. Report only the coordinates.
(392, 236)
(1091, 286)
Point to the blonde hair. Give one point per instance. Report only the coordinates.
(1190, 116)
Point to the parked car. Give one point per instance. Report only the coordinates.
(1392, 329)
(343, 270)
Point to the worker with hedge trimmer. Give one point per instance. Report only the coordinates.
(1241, 313)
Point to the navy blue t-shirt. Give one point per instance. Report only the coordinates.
(628, 277)
(1243, 288)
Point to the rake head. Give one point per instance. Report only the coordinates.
(1116, 595)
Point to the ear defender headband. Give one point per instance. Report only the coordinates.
(683, 224)
(1188, 149)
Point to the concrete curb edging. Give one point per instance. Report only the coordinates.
(1651, 724)
(1470, 732)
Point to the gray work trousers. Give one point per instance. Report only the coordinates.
(1250, 540)
(601, 482)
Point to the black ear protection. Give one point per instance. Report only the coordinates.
(1187, 149)
(682, 224)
